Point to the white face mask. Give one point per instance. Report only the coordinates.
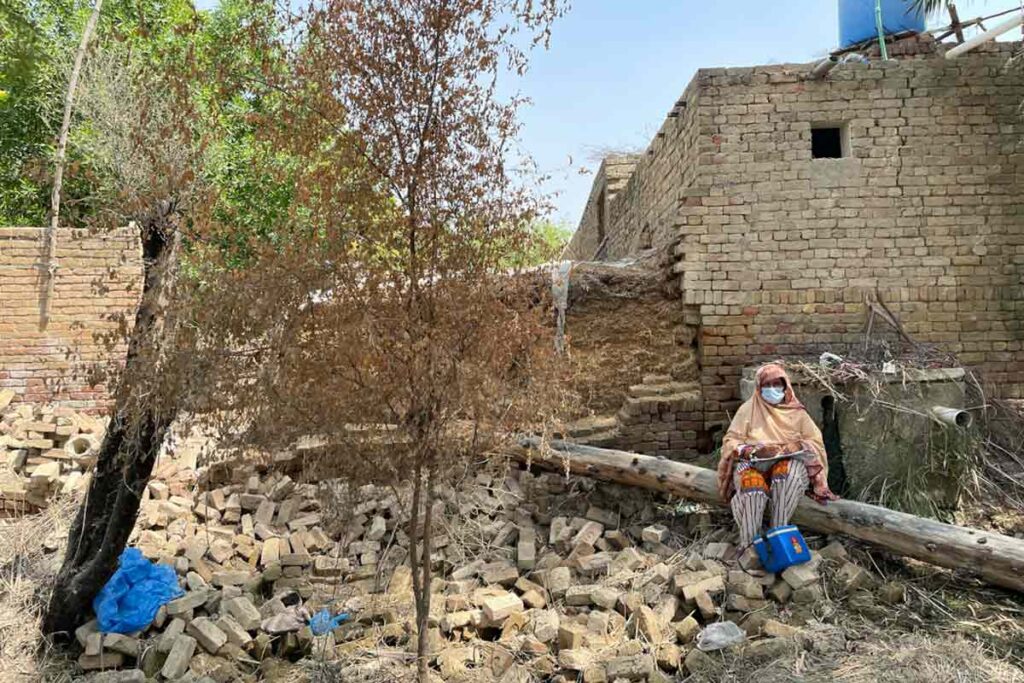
(773, 395)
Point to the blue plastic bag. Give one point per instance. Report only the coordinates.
(130, 599)
(321, 622)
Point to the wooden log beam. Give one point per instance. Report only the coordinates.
(954, 18)
(995, 558)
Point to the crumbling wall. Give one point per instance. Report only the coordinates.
(641, 208)
(621, 326)
(98, 280)
(587, 242)
(645, 214)
(632, 355)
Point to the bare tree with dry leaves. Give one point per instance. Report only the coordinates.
(146, 157)
(393, 318)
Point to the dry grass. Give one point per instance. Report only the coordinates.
(27, 569)
(621, 326)
(985, 459)
(372, 666)
(900, 658)
(919, 658)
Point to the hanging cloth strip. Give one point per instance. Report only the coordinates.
(560, 294)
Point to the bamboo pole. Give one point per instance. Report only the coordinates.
(995, 558)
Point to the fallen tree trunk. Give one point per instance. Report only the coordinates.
(996, 558)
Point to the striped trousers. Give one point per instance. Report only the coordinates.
(785, 482)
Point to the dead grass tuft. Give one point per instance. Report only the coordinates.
(918, 658)
(27, 570)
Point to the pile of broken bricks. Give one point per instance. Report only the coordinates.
(538, 578)
(45, 450)
(603, 603)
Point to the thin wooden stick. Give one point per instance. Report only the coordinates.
(62, 144)
(955, 22)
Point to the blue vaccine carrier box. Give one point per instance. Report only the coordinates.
(781, 547)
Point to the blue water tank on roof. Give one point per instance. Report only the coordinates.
(857, 19)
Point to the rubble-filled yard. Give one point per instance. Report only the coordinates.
(540, 578)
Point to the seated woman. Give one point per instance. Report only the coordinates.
(771, 423)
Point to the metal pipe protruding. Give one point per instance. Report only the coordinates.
(956, 417)
(822, 68)
(991, 34)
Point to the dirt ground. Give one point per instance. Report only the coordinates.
(621, 326)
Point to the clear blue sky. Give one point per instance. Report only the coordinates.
(615, 68)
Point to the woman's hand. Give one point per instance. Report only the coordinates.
(759, 450)
(747, 451)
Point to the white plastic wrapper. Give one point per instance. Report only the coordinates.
(719, 636)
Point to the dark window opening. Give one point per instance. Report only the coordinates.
(827, 143)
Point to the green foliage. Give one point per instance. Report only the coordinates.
(930, 6)
(31, 32)
(933, 474)
(253, 181)
(551, 239)
(216, 66)
(254, 195)
(545, 241)
(159, 41)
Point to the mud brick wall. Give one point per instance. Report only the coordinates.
(98, 280)
(776, 250)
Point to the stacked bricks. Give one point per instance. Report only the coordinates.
(98, 280)
(661, 417)
(44, 451)
(776, 251)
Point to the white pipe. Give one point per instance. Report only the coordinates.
(952, 416)
(822, 68)
(991, 34)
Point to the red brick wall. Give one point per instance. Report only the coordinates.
(97, 283)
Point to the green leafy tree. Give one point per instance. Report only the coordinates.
(31, 33)
(930, 6)
(550, 241)
(37, 40)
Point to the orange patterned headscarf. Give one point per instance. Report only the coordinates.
(782, 428)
